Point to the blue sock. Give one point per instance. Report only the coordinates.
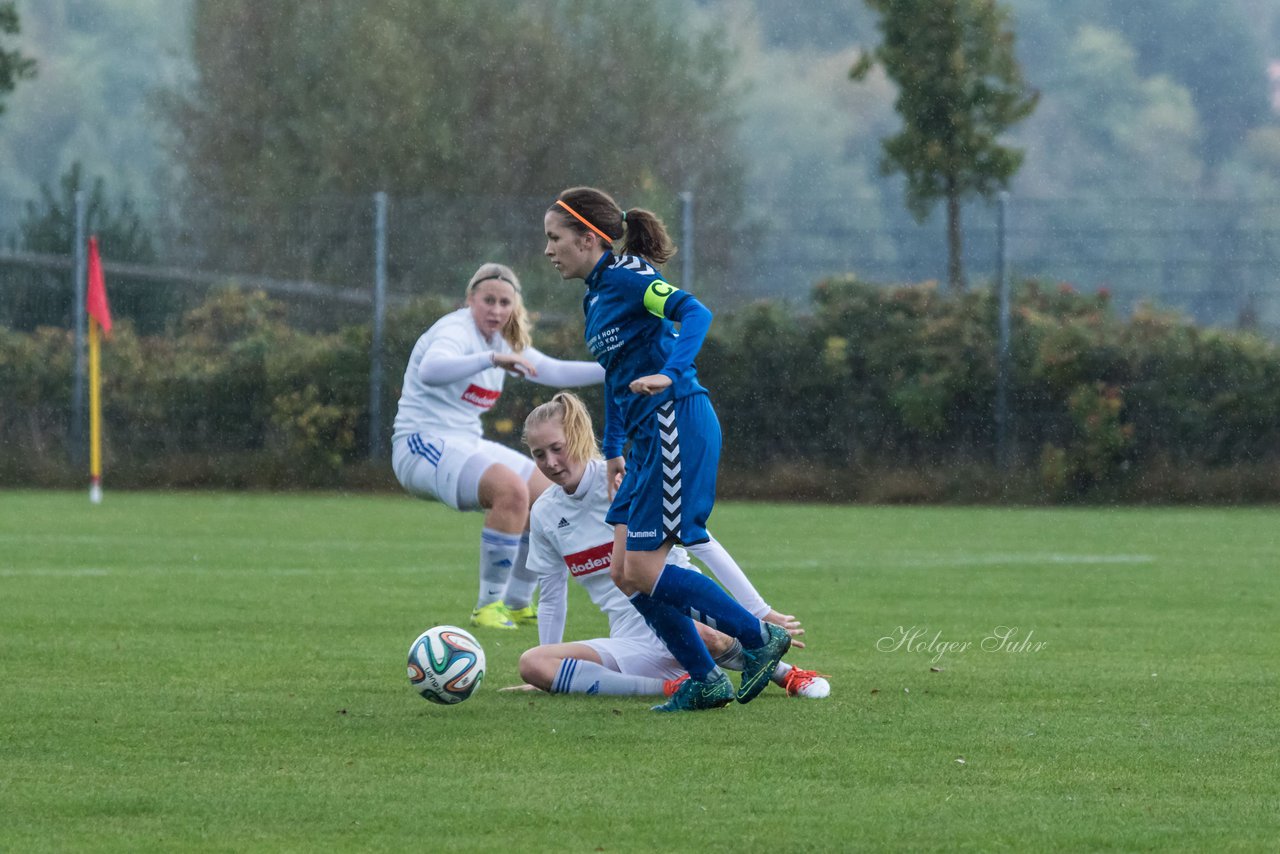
(679, 634)
(699, 597)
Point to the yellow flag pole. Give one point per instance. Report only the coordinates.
(95, 415)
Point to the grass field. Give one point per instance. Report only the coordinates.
(226, 672)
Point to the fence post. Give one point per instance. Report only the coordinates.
(77, 440)
(379, 316)
(686, 239)
(1003, 355)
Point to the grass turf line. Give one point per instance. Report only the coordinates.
(226, 672)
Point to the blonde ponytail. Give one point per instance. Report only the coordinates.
(579, 434)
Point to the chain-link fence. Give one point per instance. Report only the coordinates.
(1217, 262)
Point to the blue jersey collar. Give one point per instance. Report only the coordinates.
(593, 278)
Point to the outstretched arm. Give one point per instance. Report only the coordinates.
(727, 572)
(439, 367)
(562, 372)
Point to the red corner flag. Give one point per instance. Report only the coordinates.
(95, 301)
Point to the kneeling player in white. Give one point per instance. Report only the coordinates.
(569, 537)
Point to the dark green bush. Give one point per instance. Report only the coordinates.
(875, 393)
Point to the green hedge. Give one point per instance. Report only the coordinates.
(871, 393)
(901, 383)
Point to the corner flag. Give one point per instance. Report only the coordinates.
(95, 301)
(99, 311)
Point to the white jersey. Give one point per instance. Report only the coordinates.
(454, 408)
(569, 537)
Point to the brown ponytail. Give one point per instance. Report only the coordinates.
(647, 237)
(587, 210)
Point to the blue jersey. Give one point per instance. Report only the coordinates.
(630, 329)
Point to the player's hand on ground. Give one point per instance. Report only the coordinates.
(515, 364)
(651, 384)
(788, 622)
(525, 687)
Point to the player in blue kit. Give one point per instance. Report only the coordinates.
(653, 400)
(569, 538)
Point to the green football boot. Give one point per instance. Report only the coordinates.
(694, 695)
(526, 616)
(760, 663)
(492, 616)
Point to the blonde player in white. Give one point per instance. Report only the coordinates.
(570, 538)
(454, 376)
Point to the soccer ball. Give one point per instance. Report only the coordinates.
(446, 664)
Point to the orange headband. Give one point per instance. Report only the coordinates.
(582, 219)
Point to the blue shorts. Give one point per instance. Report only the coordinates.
(670, 486)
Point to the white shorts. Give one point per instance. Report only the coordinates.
(636, 657)
(429, 466)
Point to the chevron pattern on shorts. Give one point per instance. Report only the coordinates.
(669, 435)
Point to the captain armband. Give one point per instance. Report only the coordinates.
(656, 296)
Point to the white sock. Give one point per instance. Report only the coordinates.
(522, 581)
(730, 575)
(586, 677)
(498, 552)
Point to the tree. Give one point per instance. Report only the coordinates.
(49, 227)
(491, 104)
(1220, 65)
(100, 63)
(959, 88)
(13, 65)
(1107, 129)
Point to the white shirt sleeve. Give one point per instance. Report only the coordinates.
(439, 367)
(562, 373)
(553, 585)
